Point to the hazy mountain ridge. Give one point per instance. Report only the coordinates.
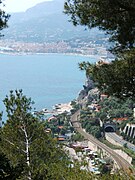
(43, 22)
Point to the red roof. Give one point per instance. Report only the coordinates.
(60, 127)
(61, 139)
(120, 119)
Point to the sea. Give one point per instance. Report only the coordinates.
(48, 79)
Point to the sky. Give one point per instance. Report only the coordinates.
(20, 5)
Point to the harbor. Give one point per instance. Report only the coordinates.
(56, 109)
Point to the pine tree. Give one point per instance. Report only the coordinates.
(25, 142)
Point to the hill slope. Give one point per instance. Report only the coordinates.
(44, 22)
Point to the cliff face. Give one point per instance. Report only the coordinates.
(89, 84)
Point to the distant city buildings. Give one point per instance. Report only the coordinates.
(75, 46)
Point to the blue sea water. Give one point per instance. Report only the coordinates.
(48, 79)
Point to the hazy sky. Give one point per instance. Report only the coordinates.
(20, 5)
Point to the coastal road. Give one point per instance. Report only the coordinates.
(121, 162)
(121, 141)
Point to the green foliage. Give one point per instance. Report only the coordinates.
(117, 78)
(24, 141)
(3, 17)
(114, 17)
(112, 146)
(125, 145)
(27, 152)
(106, 168)
(75, 106)
(87, 67)
(90, 124)
(7, 171)
(113, 107)
(60, 124)
(95, 131)
(77, 137)
(117, 19)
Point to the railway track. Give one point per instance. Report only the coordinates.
(121, 162)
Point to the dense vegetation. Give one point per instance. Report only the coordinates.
(28, 152)
(118, 77)
(113, 108)
(90, 123)
(117, 19)
(25, 143)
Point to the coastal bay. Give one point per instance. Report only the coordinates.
(47, 78)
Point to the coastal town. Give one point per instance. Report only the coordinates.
(70, 125)
(75, 46)
(46, 46)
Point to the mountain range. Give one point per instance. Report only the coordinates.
(44, 22)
